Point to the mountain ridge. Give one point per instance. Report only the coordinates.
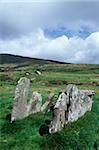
(10, 58)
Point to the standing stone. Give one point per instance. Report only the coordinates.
(20, 99)
(80, 102)
(71, 105)
(34, 104)
(58, 121)
(48, 103)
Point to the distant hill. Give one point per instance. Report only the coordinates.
(8, 58)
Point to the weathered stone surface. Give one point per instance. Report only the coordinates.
(71, 104)
(58, 121)
(35, 103)
(20, 99)
(80, 102)
(48, 103)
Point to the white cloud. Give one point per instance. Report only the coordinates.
(36, 44)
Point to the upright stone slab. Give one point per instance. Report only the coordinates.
(48, 103)
(34, 104)
(71, 105)
(20, 99)
(58, 121)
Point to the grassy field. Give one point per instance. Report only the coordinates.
(23, 134)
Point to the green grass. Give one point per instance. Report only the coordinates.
(23, 134)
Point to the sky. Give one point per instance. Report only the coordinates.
(63, 30)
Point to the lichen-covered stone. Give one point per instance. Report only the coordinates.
(34, 104)
(58, 121)
(71, 105)
(20, 99)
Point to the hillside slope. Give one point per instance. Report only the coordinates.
(8, 58)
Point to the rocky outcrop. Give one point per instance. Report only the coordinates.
(71, 105)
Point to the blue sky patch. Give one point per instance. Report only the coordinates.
(82, 32)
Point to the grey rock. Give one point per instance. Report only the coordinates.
(34, 104)
(58, 121)
(71, 105)
(48, 103)
(22, 108)
(38, 72)
(20, 99)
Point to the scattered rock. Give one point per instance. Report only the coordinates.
(27, 73)
(32, 79)
(38, 72)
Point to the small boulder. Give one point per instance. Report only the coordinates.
(38, 72)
